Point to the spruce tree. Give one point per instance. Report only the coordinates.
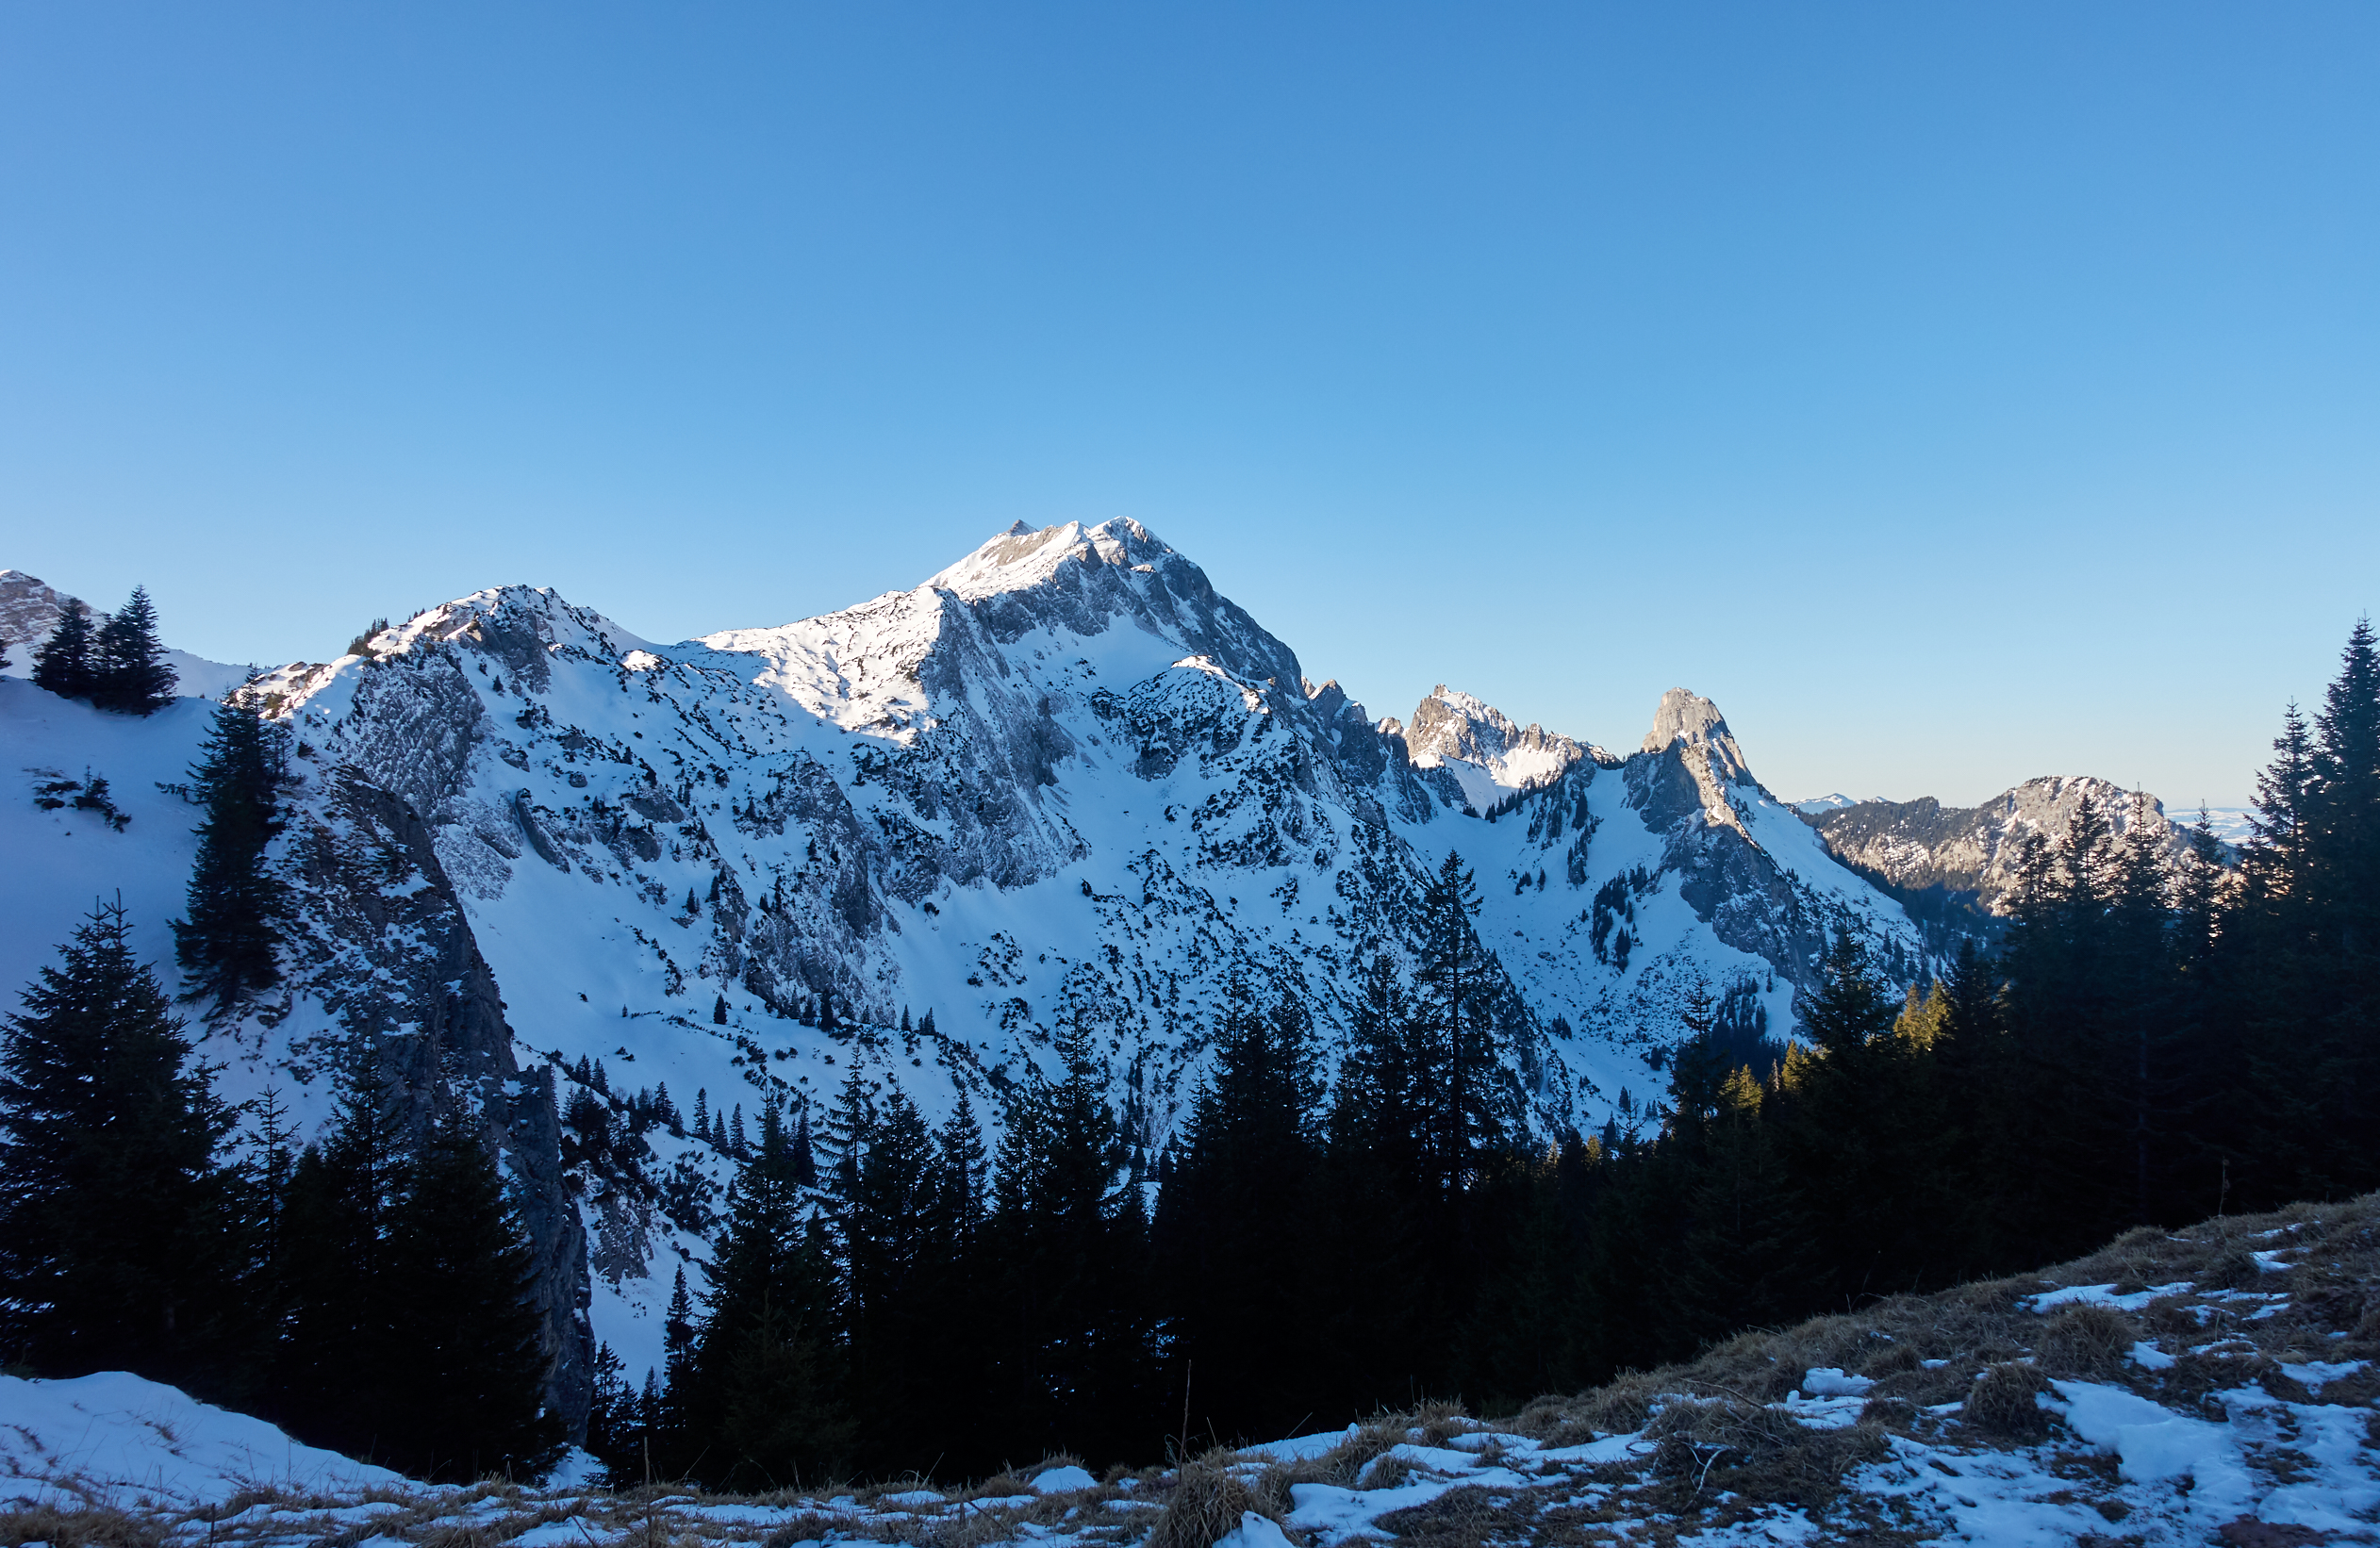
(765, 1407)
(890, 1250)
(336, 1365)
(1379, 1205)
(1452, 983)
(1231, 1225)
(226, 945)
(128, 671)
(62, 663)
(468, 1388)
(1074, 1353)
(121, 1241)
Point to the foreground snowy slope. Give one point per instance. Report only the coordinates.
(1061, 789)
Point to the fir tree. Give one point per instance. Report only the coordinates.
(62, 663)
(128, 671)
(120, 1239)
(226, 945)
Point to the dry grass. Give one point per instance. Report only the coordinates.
(2087, 1341)
(1206, 1502)
(2003, 1402)
(86, 1527)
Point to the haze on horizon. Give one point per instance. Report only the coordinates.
(1954, 397)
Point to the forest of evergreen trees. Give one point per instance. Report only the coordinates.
(2157, 1039)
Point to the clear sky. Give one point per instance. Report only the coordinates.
(1955, 392)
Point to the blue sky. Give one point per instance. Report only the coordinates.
(1955, 393)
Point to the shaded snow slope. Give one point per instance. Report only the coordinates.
(115, 1439)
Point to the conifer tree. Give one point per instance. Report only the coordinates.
(765, 1407)
(891, 1250)
(335, 1366)
(1452, 983)
(468, 1386)
(128, 671)
(1231, 1225)
(62, 663)
(226, 944)
(120, 1233)
(1380, 1203)
(1072, 1364)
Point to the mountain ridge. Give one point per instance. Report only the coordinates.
(1064, 787)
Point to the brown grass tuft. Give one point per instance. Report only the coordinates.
(1207, 1503)
(2087, 1341)
(2001, 1401)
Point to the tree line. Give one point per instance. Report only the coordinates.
(2159, 1037)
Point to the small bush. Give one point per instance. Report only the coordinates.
(2002, 1402)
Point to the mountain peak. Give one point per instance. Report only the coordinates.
(1684, 716)
(1023, 557)
(1491, 755)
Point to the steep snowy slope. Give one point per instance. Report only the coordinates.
(1061, 789)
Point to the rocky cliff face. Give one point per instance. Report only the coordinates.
(1923, 844)
(1061, 786)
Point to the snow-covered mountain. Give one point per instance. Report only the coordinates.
(29, 612)
(1923, 844)
(1062, 786)
(1486, 756)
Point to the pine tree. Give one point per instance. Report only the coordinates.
(62, 663)
(719, 1012)
(120, 1241)
(226, 945)
(128, 671)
